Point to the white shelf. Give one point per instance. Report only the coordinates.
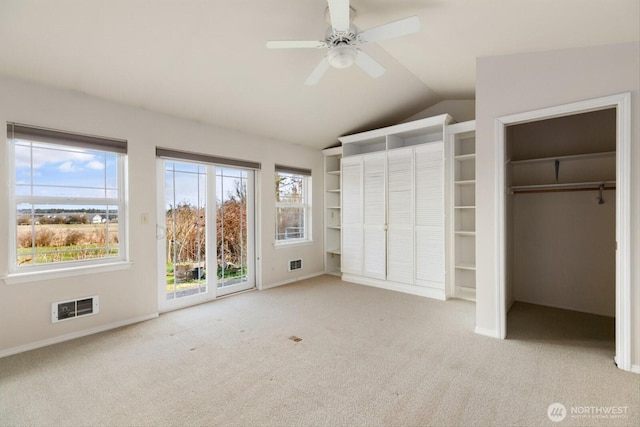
(332, 200)
(463, 157)
(568, 157)
(463, 204)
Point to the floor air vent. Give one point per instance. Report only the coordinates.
(67, 310)
(295, 264)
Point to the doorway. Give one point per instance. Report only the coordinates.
(206, 239)
(621, 105)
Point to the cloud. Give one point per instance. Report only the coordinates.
(67, 166)
(95, 165)
(40, 155)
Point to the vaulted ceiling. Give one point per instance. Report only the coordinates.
(206, 60)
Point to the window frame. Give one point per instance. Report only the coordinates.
(56, 141)
(305, 205)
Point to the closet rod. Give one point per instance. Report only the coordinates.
(557, 190)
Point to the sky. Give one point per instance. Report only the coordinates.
(47, 170)
(41, 170)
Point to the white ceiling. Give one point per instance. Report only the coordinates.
(207, 61)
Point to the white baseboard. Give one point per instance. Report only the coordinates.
(292, 280)
(422, 291)
(487, 332)
(635, 369)
(74, 335)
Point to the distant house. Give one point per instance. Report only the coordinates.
(96, 219)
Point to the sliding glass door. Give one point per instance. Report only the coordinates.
(205, 232)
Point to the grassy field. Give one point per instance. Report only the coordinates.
(65, 242)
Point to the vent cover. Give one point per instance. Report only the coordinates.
(72, 309)
(295, 264)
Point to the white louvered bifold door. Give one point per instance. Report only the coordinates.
(374, 215)
(400, 244)
(352, 215)
(429, 190)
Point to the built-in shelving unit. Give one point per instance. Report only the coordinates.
(394, 211)
(462, 255)
(332, 211)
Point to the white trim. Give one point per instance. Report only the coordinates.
(487, 332)
(462, 127)
(635, 369)
(281, 244)
(74, 335)
(622, 103)
(35, 276)
(288, 281)
(423, 291)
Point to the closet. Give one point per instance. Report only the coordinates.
(561, 212)
(393, 207)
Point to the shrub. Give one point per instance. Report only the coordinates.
(24, 239)
(44, 237)
(73, 238)
(24, 220)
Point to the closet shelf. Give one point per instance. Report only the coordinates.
(333, 251)
(337, 190)
(465, 266)
(333, 173)
(465, 182)
(464, 207)
(471, 156)
(569, 157)
(334, 227)
(571, 186)
(333, 207)
(465, 233)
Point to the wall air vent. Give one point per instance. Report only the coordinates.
(295, 264)
(72, 309)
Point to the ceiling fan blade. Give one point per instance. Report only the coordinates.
(318, 72)
(369, 65)
(391, 30)
(339, 12)
(294, 44)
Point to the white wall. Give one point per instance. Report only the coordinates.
(132, 294)
(525, 82)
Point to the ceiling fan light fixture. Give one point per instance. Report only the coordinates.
(342, 56)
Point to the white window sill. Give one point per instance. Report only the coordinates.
(34, 276)
(286, 244)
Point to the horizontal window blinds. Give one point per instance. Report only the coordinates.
(206, 158)
(293, 170)
(38, 134)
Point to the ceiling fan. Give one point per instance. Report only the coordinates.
(342, 39)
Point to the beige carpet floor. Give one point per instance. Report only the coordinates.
(363, 356)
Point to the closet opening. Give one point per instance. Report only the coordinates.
(563, 254)
(561, 230)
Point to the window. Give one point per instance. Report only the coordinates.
(67, 197)
(293, 204)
